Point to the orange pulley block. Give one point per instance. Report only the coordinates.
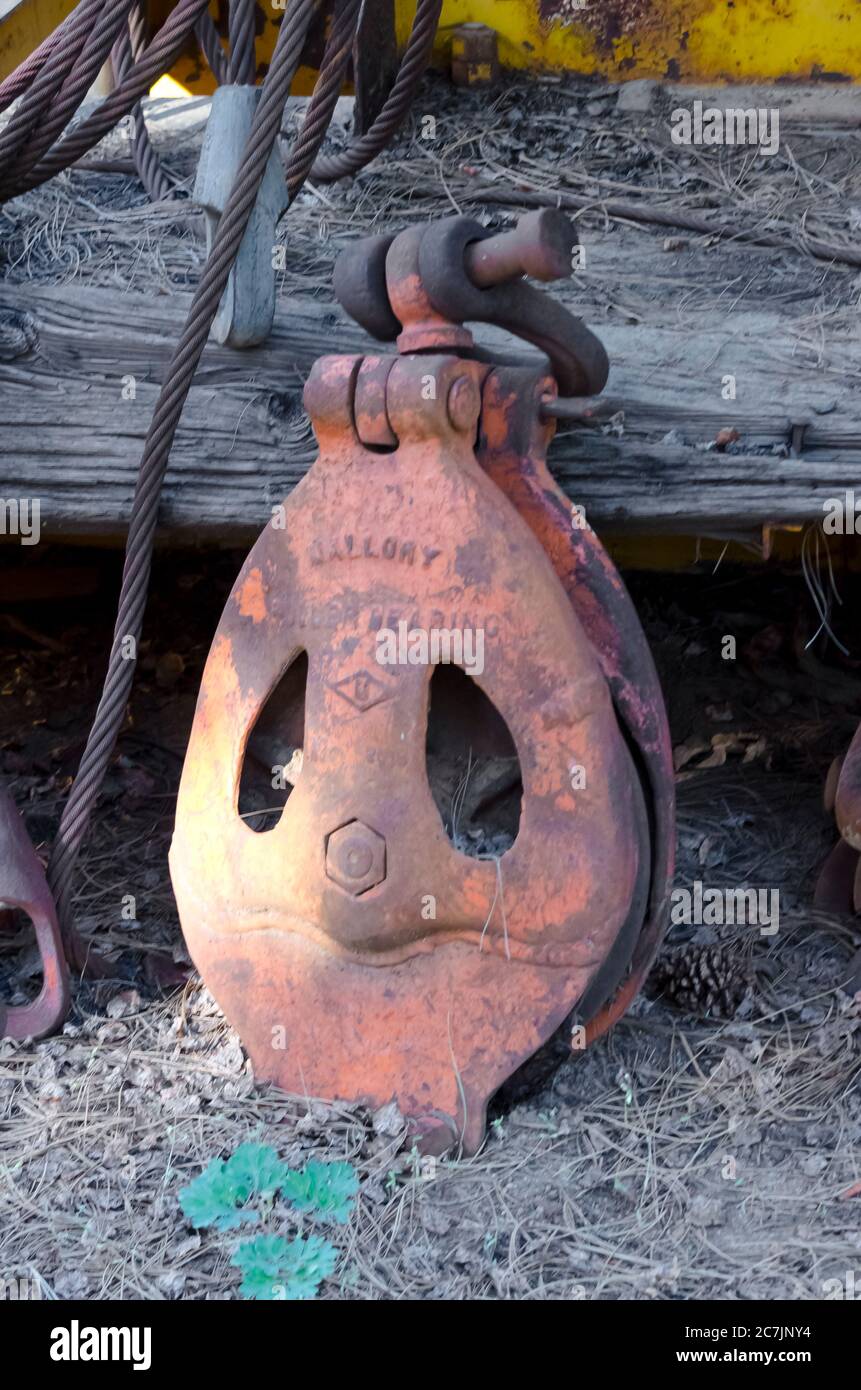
(363, 949)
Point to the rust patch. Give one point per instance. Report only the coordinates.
(652, 25)
(473, 562)
(251, 597)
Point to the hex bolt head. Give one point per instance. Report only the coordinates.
(355, 857)
(463, 403)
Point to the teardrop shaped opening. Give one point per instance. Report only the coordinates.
(21, 968)
(472, 766)
(273, 754)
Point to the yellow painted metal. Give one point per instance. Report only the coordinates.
(191, 71)
(23, 26)
(685, 552)
(682, 40)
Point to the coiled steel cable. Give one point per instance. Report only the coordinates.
(24, 75)
(160, 55)
(416, 54)
(242, 66)
(326, 92)
(207, 37)
(127, 49)
(48, 81)
(92, 57)
(135, 582)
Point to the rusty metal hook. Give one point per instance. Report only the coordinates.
(23, 885)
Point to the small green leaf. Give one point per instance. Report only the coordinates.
(274, 1269)
(268, 1288)
(265, 1254)
(255, 1168)
(211, 1199)
(325, 1188)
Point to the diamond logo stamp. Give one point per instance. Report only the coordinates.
(362, 690)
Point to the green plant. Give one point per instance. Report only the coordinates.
(277, 1269)
(326, 1188)
(213, 1198)
(218, 1196)
(224, 1194)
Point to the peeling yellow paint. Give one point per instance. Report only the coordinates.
(684, 40)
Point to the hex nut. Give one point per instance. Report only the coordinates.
(355, 857)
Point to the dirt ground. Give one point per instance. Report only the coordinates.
(688, 1155)
(707, 1146)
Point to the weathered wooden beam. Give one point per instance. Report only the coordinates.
(80, 371)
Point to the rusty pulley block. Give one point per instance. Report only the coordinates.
(23, 886)
(360, 952)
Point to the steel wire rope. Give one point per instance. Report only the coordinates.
(135, 581)
(127, 49)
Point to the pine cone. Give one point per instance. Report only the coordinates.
(703, 980)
